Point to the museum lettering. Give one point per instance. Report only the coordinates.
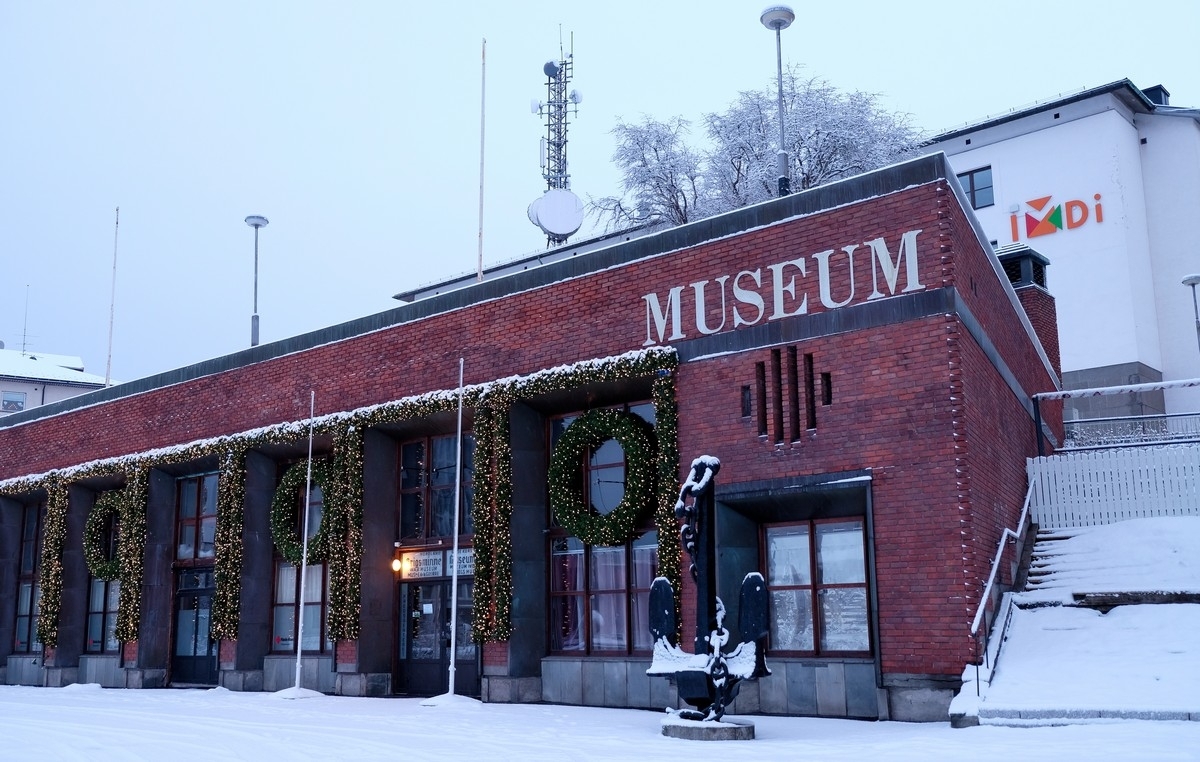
(835, 278)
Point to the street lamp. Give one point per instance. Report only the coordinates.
(1192, 280)
(780, 17)
(255, 221)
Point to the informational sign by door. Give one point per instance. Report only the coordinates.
(426, 564)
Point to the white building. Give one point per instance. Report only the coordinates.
(32, 379)
(1105, 184)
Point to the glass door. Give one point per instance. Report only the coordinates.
(424, 640)
(194, 660)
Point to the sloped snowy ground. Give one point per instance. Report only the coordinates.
(1063, 662)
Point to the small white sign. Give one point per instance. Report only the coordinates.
(421, 565)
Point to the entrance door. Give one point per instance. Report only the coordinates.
(194, 660)
(424, 642)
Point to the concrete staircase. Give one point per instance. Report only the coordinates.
(1055, 575)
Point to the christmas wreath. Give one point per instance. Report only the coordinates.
(107, 506)
(285, 515)
(587, 433)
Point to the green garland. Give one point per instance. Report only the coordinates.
(345, 565)
(106, 508)
(54, 535)
(132, 551)
(493, 491)
(585, 434)
(666, 430)
(285, 512)
(227, 545)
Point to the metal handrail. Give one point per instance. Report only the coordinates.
(987, 590)
(981, 613)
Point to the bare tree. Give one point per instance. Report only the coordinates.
(830, 135)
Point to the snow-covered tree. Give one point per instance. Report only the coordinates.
(830, 134)
(660, 175)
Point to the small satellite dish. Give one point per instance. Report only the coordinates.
(559, 213)
(535, 105)
(551, 69)
(576, 97)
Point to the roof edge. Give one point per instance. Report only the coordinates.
(917, 171)
(1136, 98)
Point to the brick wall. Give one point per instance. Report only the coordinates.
(915, 402)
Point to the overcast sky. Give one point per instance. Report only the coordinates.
(355, 128)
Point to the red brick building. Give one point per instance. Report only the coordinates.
(854, 355)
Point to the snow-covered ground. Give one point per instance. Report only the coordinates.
(90, 723)
(1133, 659)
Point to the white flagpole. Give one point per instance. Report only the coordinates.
(312, 407)
(454, 551)
(112, 300)
(482, 111)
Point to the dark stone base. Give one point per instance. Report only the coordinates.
(725, 730)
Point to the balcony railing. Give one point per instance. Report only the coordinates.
(1130, 431)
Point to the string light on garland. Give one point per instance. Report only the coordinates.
(227, 544)
(50, 578)
(132, 551)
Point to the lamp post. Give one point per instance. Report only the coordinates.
(1193, 280)
(780, 17)
(255, 221)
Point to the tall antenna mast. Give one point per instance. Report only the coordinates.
(559, 212)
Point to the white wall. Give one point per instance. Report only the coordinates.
(39, 393)
(1171, 171)
(1099, 272)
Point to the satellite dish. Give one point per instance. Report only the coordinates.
(551, 68)
(535, 105)
(576, 97)
(559, 213)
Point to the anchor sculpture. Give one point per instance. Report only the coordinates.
(709, 678)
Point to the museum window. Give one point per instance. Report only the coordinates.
(103, 598)
(196, 523)
(600, 595)
(817, 578)
(29, 590)
(978, 186)
(427, 479)
(312, 601)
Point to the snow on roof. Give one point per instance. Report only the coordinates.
(39, 366)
